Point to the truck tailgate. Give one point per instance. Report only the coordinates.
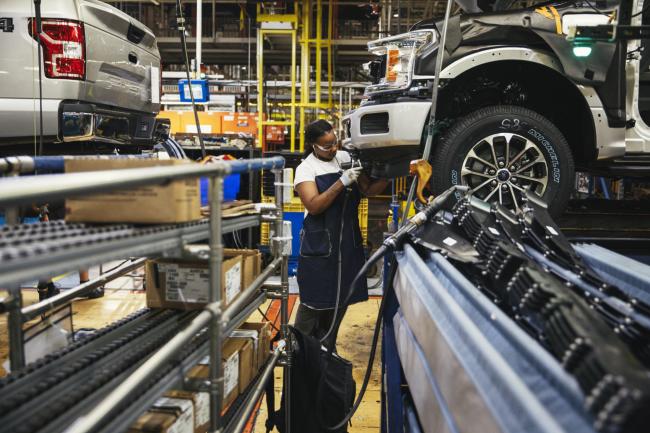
(122, 59)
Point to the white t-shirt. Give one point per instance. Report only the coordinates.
(312, 167)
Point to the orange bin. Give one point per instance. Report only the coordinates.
(210, 122)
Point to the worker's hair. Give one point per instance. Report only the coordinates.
(313, 132)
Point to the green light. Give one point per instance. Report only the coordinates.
(582, 51)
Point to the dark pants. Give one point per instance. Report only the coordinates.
(316, 323)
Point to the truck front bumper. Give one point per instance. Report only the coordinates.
(385, 125)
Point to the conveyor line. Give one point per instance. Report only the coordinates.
(30, 251)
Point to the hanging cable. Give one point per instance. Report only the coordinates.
(434, 103)
(38, 27)
(180, 21)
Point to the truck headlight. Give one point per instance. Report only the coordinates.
(399, 54)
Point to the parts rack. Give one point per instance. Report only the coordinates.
(43, 250)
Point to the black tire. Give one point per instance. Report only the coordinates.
(525, 124)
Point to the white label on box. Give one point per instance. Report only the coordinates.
(185, 284)
(231, 373)
(233, 282)
(155, 84)
(229, 118)
(185, 422)
(192, 129)
(202, 408)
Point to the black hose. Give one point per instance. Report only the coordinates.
(373, 346)
(340, 276)
(180, 20)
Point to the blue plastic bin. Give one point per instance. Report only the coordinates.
(199, 87)
(230, 188)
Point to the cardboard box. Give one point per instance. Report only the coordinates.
(184, 284)
(261, 341)
(177, 202)
(246, 367)
(230, 364)
(251, 264)
(182, 409)
(153, 422)
(201, 403)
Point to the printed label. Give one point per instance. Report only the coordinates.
(202, 409)
(231, 373)
(494, 231)
(233, 282)
(185, 284)
(155, 85)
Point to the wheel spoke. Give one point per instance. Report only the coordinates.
(491, 194)
(500, 194)
(514, 198)
(526, 148)
(473, 155)
(538, 160)
(516, 187)
(493, 150)
(543, 181)
(482, 185)
(508, 151)
(467, 171)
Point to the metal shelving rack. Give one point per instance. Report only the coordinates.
(23, 259)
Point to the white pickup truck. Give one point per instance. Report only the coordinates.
(520, 106)
(100, 77)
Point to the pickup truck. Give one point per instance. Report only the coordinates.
(100, 78)
(520, 106)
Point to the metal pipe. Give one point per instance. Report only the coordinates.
(242, 300)
(39, 308)
(28, 189)
(434, 104)
(251, 403)
(214, 263)
(199, 35)
(16, 338)
(284, 280)
(108, 406)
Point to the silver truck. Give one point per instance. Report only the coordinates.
(100, 77)
(520, 106)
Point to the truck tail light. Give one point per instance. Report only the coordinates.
(64, 47)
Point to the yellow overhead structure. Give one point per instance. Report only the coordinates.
(261, 33)
(300, 20)
(317, 42)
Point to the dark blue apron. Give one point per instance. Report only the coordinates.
(319, 249)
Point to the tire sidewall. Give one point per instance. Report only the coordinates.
(533, 127)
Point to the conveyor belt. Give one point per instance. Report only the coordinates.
(30, 251)
(596, 331)
(48, 395)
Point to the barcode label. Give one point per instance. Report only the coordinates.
(233, 282)
(185, 284)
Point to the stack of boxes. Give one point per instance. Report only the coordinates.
(179, 411)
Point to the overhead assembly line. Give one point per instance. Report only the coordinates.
(308, 216)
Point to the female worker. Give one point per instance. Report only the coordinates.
(331, 197)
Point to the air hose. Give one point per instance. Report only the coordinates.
(393, 243)
(180, 20)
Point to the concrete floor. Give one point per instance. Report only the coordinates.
(125, 295)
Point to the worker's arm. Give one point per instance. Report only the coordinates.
(370, 187)
(314, 202)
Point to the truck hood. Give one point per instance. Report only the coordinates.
(542, 25)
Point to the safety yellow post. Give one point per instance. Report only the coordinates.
(261, 33)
